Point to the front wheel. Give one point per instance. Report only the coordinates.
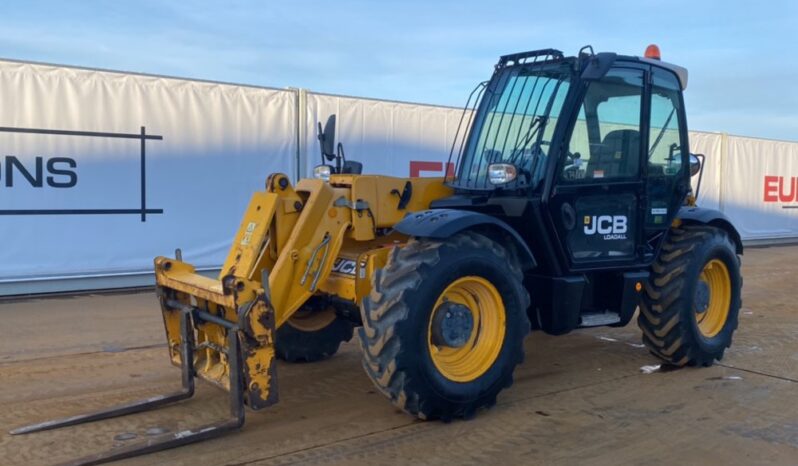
(313, 333)
(689, 311)
(443, 327)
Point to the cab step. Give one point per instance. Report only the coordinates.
(599, 319)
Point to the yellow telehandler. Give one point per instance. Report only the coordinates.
(570, 207)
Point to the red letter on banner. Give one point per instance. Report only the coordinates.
(771, 189)
(416, 167)
(786, 197)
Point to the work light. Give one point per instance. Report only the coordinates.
(322, 172)
(500, 173)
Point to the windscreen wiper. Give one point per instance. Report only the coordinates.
(534, 128)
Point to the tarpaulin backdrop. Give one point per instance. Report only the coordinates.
(76, 213)
(79, 214)
(390, 138)
(759, 189)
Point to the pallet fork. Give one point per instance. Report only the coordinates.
(189, 317)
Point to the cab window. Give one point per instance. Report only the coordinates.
(664, 150)
(605, 142)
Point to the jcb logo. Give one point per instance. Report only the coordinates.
(610, 226)
(348, 267)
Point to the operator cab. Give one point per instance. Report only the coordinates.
(586, 156)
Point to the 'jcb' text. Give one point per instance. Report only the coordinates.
(610, 227)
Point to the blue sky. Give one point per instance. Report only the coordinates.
(742, 55)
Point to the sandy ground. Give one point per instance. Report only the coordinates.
(578, 399)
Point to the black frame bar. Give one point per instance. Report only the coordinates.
(141, 136)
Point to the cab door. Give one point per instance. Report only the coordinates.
(598, 194)
(666, 158)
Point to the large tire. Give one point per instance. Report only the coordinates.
(690, 307)
(397, 333)
(312, 334)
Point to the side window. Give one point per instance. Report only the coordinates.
(664, 150)
(605, 142)
(578, 153)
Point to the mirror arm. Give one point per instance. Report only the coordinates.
(320, 137)
(701, 158)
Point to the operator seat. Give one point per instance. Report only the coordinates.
(618, 155)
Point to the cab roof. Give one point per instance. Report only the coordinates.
(541, 56)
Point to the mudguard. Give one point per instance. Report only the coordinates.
(444, 223)
(704, 216)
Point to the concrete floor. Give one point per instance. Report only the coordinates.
(579, 398)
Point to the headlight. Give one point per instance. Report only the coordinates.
(322, 172)
(500, 173)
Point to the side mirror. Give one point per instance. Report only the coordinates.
(327, 138)
(695, 164)
(353, 168)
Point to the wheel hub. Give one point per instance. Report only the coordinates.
(702, 297)
(452, 325)
(466, 328)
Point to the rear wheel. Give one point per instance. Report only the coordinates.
(443, 327)
(313, 333)
(689, 311)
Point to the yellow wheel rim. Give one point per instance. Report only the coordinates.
(312, 321)
(716, 277)
(468, 362)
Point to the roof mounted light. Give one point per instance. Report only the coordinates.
(652, 51)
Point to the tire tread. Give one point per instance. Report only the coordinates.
(662, 307)
(386, 306)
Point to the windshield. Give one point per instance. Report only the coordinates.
(514, 124)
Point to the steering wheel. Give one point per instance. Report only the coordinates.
(573, 166)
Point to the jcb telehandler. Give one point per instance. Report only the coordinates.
(570, 207)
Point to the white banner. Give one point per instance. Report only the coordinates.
(102, 171)
(388, 138)
(760, 193)
(73, 200)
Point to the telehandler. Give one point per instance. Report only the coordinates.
(570, 207)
